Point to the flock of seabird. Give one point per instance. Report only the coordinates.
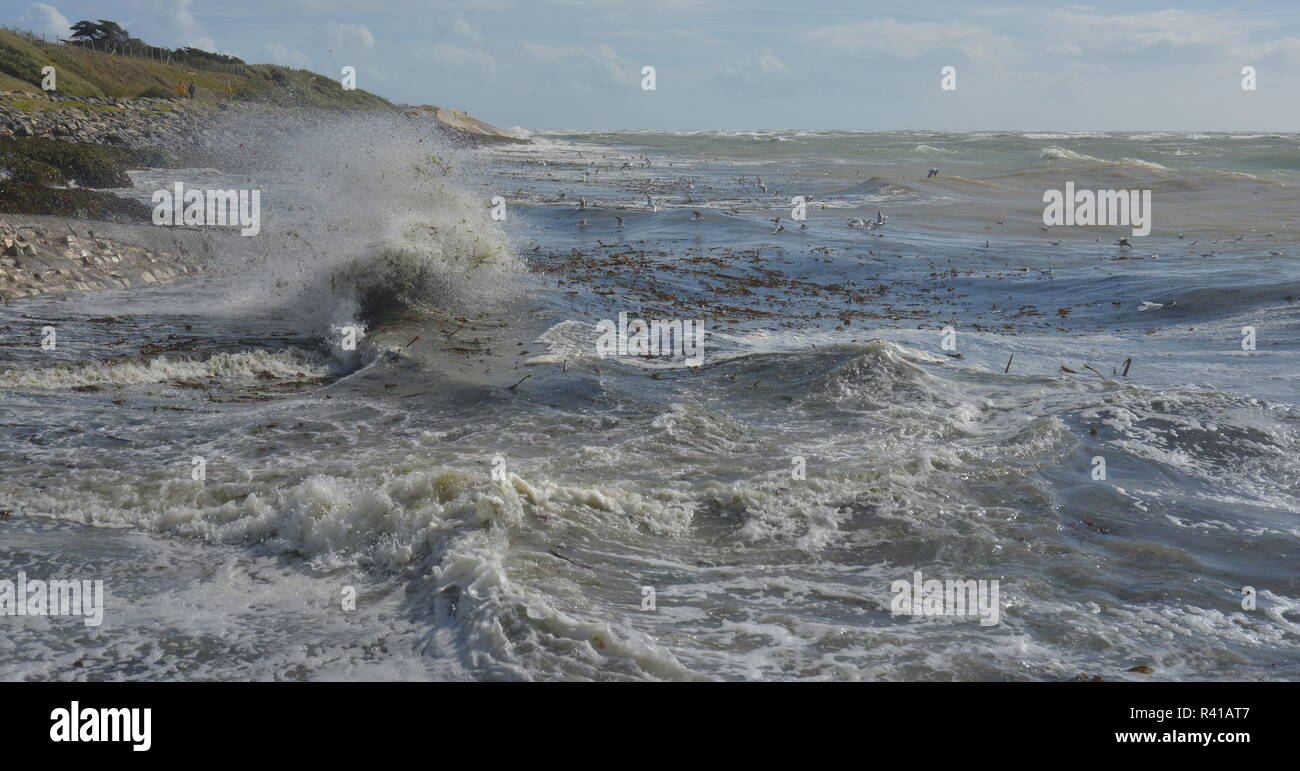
(875, 224)
(855, 222)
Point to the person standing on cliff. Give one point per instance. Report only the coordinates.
(190, 90)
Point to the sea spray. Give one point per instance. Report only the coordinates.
(361, 227)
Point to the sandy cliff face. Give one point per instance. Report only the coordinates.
(462, 123)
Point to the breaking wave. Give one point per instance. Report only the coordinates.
(226, 367)
(1062, 154)
(366, 227)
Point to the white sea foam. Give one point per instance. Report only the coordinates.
(229, 368)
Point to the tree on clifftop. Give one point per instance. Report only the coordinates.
(106, 31)
(106, 35)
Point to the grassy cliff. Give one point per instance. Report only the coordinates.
(84, 72)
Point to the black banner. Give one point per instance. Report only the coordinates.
(310, 720)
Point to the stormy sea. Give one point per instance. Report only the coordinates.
(386, 438)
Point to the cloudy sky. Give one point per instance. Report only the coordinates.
(763, 63)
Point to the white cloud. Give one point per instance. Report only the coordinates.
(759, 74)
(1287, 49)
(1086, 30)
(696, 36)
(887, 38)
(1083, 31)
(1134, 31)
(765, 60)
(278, 53)
(763, 63)
(350, 35)
(452, 57)
(170, 22)
(45, 20)
(464, 29)
(599, 57)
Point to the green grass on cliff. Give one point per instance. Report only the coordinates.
(83, 72)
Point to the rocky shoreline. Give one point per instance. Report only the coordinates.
(134, 122)
(146, 122)
(46, 256)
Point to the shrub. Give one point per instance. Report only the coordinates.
(155, 92)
